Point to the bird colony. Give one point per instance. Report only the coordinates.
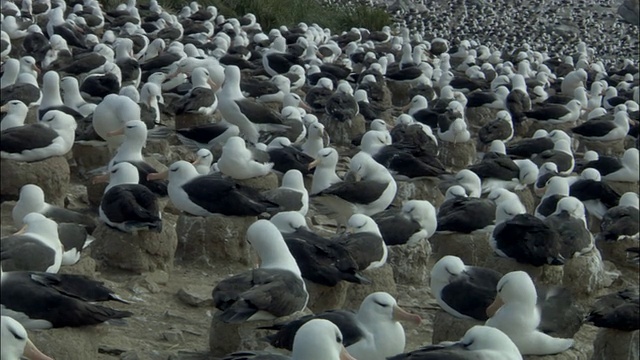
(181, 185)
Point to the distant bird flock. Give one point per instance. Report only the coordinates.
(518, 141)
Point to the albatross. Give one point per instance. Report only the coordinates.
(273, 290)
(374, 332)
(53, 136)
(248, 115)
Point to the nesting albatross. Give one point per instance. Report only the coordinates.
(273, 290)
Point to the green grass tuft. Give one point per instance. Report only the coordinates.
(274, 13)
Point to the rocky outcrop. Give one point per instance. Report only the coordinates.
(213, 239)
(323, 298)
(410, 263)
(52, 175)
(141, 252)
(615, 344)
(472, 248)
(226, 338)
(629, 11)
(341, 132)
(381, 280)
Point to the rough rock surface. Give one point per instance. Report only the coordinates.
(189, 120)
(615, 344)
(399, 92)
(608, 148)
(419, 188)
(457, 156)
(478, 117)
(410, 263)
(216, 238)
(70, 343)
(629, 10)
(323, 298)
(261, 183)
(226, 338)
(614, 251)
(146, 251)
(447, 327)
(195, 295)
(382, 280)
(586, 274)
(51, 174)
(340, 132)
(546, 274)
(473, 248)
(91, 156)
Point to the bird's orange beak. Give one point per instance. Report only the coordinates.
(31, 352)
(116, 132)
(158, 176)
(22, 230)
(495, 306)
(313, 164)
(99, 179)
(401, 314)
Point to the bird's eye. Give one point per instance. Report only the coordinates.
(174, 170)
(338, 339)
(381, 304)
(468, 344)
(325, 155)
(114, 171)
(130, 126)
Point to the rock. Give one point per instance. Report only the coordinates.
(585, 274)
(629, 10)
(546, 274)
(410, 263)
(91, 156)
(52, 175)
(215, 239)
(479, 116)
(419, 188)
(615, 344)
(70, 343)
(141, 252)
(614, 251)
(196, 296)
(261, 183)
(382, 280)
(399, 92)
(189, 120)
(157, 147)
(473, 248)
(323, 298)
(111, 350)
(129, 355)
(95, 192)
(457, 156)
(528, 127)
(173, 336)
(159, 276)
(608, 148)
(623, 187)
(190, 355)
(447, 327)
(527, 199)
(226, 338)
(85, 266)
(340, 132)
